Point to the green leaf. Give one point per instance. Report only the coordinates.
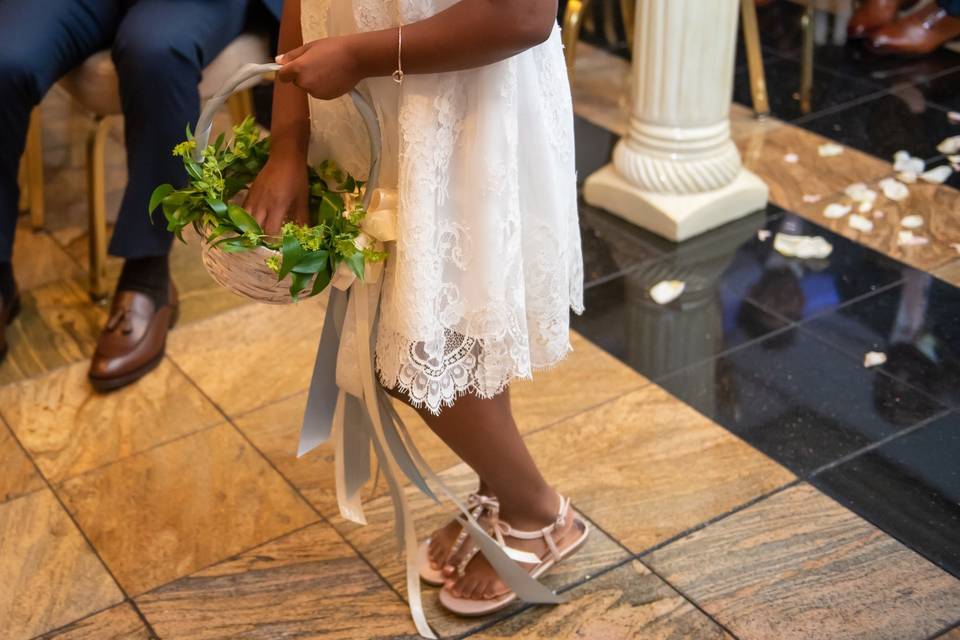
(218, 145)
(355, 262)
(298, 281)
(235, 245)
(312, 262)
(243, 220)
(157, 197)
(292, 253)
(321, 282)
(219, 206)
(193, 169)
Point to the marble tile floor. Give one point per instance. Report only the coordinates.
(748, 478)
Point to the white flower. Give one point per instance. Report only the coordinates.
(667, 291)
(874, 359)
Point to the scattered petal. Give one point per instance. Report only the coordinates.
(954, 117)
(894, 189)
(791, 158)
(907, 177)
(830, 149)
(858, 222)
(903, 162)
(878, 215)
(803, 247)
(956, 246)
(911, 222)
(953, 159)
(859, 192)
(874, 359)
(836, 210)
(908, 239)
(866, 206)
(667, 291)
(937, 175)
(763, 235)
(812, 198)
(949, 146)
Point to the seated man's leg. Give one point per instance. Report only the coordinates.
(39, 42)
(160, 52)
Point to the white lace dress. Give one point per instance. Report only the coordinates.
(487, 264)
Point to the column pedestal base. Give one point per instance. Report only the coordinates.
(675, 217)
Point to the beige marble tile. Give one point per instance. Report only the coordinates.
(253, 355)
(309, 584)
(949, 272)
(182, 506)
(116, 623)
(595, 375)
(377, 543)
(624, 604)
(763, 153)
(38, 259)
(69, 429)
(49, 576)
(746, 127)
(798, 565)
(58, 325)
(646, 467)
(938, 205)
(953, 634)
(17, 474)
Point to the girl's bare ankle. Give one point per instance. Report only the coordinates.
(531, 511)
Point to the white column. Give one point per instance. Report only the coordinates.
(677, 172)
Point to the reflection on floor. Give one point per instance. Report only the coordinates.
(749, 477)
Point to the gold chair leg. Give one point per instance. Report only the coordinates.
(806, 62)
(758, 78)
(628, 9)
(240, 105)
(96, 194)
(572, 24)
(34, 164)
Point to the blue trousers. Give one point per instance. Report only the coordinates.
(951, 6)
(159, 47)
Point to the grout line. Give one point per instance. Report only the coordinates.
(83, 534)
(723, 516)
(843, 106)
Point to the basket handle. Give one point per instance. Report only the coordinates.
(249, 75)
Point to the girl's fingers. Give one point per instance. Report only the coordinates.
(292, 55)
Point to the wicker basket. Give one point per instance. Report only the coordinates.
(246, 272)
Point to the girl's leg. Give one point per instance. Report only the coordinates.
(485, 436)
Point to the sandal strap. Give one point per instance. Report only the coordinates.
(477, 503)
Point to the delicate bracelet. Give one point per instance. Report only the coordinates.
(398, 74)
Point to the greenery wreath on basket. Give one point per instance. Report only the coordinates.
(309, 254)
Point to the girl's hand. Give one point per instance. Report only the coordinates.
(325, 68)
(279, 193)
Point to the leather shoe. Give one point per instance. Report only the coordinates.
(8, 311)
(872, 14)
(918, 34)
(133, 341)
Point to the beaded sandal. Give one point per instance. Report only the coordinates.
(477, 504)
(554, 554)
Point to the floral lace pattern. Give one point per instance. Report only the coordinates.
(480, 282)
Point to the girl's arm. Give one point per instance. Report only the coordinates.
(471, 33)
(280, 190)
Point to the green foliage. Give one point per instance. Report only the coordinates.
(308, 254)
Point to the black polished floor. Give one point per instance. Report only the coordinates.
(773, 348)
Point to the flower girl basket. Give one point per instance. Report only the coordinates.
(246, 272)
(346, 404)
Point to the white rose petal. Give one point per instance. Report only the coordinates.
(865, 206)
(954, 117)
(860, 223)
(763, 235)
(859, 192)
(836, 210)
(953, 159)
(949, 146)
(791, 158)
(812, 198)
(903, 162)
(803, 247)
(907, 177)
(937, 175)
(874, 359)
(894, 190)
(911, 222)
(878, 215)
(667, 291)
(907, 239)
(956, 246)
(829, 150)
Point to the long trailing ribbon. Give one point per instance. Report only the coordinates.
(354, 411)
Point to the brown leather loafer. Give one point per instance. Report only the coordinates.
(871, 14)
(8, 311)
(918, 34)
(134, 340)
